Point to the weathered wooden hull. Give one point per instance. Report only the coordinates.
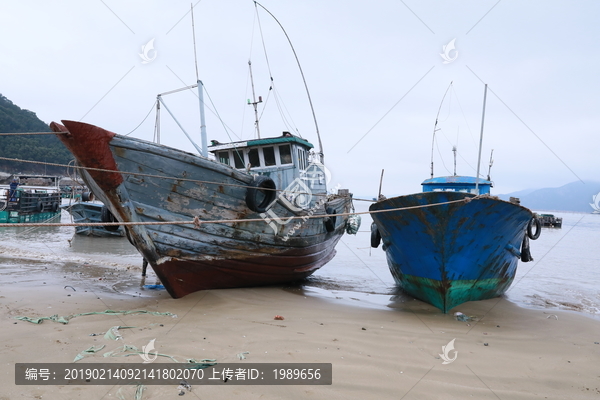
(449, 254)
(184, 186)
(91, 212)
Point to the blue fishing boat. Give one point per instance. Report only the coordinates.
(93, 212)
(453, 242)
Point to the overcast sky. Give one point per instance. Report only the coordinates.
(375, 72)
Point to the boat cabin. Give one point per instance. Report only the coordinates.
(465, 184)
(283, 159)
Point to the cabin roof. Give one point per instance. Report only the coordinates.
(456, 180)
(285, 138)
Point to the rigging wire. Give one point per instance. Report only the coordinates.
(277, 98)
(465, 118)
(322, 159)
(435, 126)
(144, 120)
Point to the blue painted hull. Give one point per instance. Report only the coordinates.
(91, 212)
(449, 254)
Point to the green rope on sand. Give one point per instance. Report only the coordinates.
(139, 390)
(128, 350)
(87, 352)
(65, 320)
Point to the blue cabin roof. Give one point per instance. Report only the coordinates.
(456, 184)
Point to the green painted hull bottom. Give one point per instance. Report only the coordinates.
(13, 217)
(449, 294)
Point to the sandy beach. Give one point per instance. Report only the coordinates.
(504, 352)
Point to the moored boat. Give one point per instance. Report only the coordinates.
(447, 245)
(453, 242)
(147, 182)
(29, 199)
(550, 221)
(93, 212)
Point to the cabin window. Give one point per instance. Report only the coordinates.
(285, 154)
(253, 158)
(238, 158)
(224, 157)
(301, 159)
(269, 153)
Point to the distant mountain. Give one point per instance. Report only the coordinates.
(44, 148)
(574, 196)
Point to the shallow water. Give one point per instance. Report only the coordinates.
(563, 276)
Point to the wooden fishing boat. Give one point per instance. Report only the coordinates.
(30, 198)
(93, 212)
(267, 182)
(453, 242)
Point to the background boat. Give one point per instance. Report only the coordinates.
(34, 198)
(93, 212)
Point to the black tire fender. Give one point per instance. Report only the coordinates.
(107, 216)
(330, 221)
(538, 228)
(260, 194)
(87, 196)
(54, 207)
(39, 206)
(375, 236)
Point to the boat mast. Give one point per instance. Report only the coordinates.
(202, 121)
(480, 141)
(203, 136)
(254, 102)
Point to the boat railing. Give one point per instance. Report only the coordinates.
(32, 202)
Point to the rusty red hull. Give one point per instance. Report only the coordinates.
(142, 182)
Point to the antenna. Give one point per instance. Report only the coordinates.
(254, 102)
(490, 167)
(454, 151)
(435, 126)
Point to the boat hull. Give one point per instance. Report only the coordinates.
(145, 182)
(29, 206)
(91, 212)
(452, 253)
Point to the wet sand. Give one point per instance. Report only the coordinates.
(376, 353)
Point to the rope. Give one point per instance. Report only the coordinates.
(153, 176)
(32, 133)
(197, 221)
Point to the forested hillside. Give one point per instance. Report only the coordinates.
(44, 148)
